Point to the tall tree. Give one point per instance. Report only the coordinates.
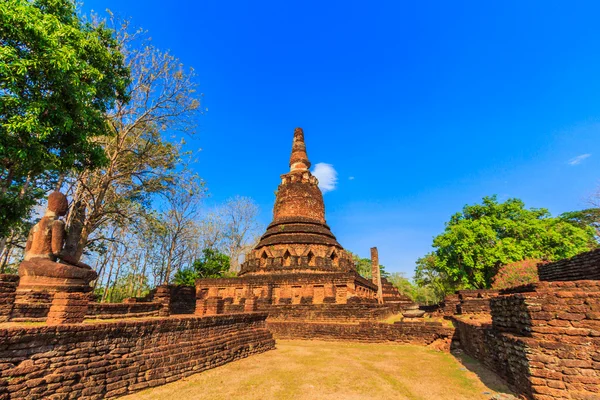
(584, 218)
(241, 229)
(427, 275)
(481, 238)
(178, 219)
(58, 77)
(143, 158)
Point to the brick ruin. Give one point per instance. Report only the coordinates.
(112, 359)
(297, 283)
(298, 261)
(544, 338)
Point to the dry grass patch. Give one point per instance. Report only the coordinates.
(312, 370)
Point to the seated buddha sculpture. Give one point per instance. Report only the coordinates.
(46, 265)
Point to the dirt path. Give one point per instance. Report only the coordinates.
(311, 370)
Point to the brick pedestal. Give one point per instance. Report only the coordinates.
(163, 296)
(8, 288)
(250, 304)
(68, 308)
(214, 306)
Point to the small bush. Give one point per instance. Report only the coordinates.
(517, 274)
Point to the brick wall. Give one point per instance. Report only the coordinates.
(504, 353)
(584, 266)
(544, 339)
(121, 310)
(93, 361)
(329, 312)
(8, 288)
(183, 299)
(423, 333)
(475, 301)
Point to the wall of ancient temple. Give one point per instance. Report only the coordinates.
(295, 257)
(544, 339)
(33, 306)
(90, 361)
(581, 267)
(423, 333)
(289, 289)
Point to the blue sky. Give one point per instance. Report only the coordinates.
(420, 107)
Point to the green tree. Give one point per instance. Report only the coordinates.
(144, 158)
(212, 264)
(58, 77)
(583, 218)
(483, 237)
(419, 294)
(427, 277)
(363, 267)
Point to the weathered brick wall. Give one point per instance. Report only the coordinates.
(183, 299)
(105, 360)
(475, 301)
(545, 341)
(584, 266)
(329, 312)
(122, 310)
(8, 288)
(424, 333)
(503, 353)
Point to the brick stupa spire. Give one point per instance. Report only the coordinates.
(299, 159)
(298, 229)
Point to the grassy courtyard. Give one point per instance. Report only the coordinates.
(310, 370)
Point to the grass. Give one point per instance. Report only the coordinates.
(306, 370)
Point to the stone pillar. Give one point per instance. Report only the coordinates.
(250, 304)
(214, 306)
(68, 308)
(376, 273)
(8, 289)
(163, 296)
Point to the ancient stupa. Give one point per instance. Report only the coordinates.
(298, 240)
(298, 259)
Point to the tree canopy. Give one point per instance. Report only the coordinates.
(58, 77)
(363, 267)
(212, 264)
(479, 240)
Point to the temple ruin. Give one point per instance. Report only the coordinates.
(543, 339)
(298, 259)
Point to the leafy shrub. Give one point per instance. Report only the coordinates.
(517, 274)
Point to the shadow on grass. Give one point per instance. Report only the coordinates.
(490, 379)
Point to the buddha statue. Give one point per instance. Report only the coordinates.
(46, 265)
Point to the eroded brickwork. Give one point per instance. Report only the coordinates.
(544, 339)
(68, 308)
(423, 333)
(93, 361)
(584, 266)
(8, 289)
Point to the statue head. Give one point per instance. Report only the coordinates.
(57, 203)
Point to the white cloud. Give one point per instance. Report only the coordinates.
(351, 178)
(579, 159)
(327, 177)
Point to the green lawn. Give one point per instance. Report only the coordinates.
(333, 370)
